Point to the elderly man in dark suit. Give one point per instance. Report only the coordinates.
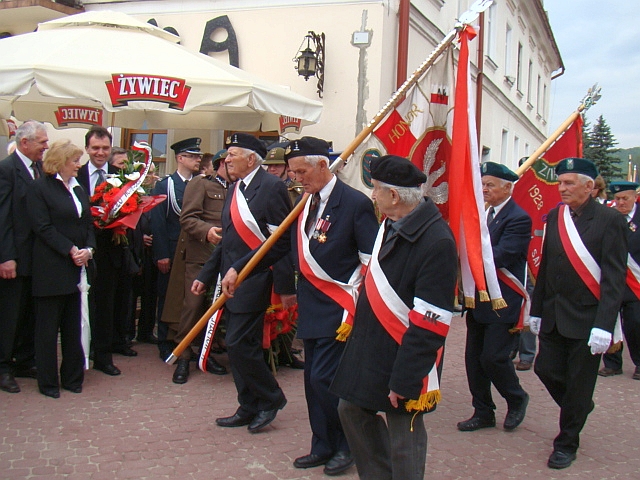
(576, 299)
(625, 197)
(489, 332)
(256, 204)
(17, 322)
(165, 225)
(333, 240)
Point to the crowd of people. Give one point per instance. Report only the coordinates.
(374, 300)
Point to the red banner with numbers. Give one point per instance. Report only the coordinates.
(537, 189)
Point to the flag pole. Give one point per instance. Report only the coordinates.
(592, 96)
(465, 19)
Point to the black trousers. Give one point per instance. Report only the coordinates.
(321, 358)
(569, 371)
(59, 313)
(102, 303)
(257, 388)
(631, 328)
(17, 324)
(487, 361)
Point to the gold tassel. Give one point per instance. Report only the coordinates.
(426, 401)
(498, 303)
(484, 296)
(516, 330)
(615, 347)
(469, 302)
(343, 332)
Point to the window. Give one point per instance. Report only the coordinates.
(504, 146)
(491, 31)
(157, 139)
(544, 101)
(507, 52)
(539, 96)
(529, 82)
(519, 71)
(516, 150)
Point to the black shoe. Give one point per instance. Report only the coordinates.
(8, 383)
(74, 389)
(214, 367)
(311, 460)
(126, 351)
(147, 339)
(181, 374)
(109, 369)
(295, 363)
(50, 392)
(265, 417)
(340, 462)
(31, 372)
(476, 423)
(560, 459)
(235, 420)
(515, 416)
(609, 372)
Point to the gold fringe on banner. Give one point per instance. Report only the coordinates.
(343, 332)
(498, 303)
(426, 401)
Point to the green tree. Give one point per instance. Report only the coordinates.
(599, 147)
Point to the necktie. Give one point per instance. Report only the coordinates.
(313, 212)
(242, 185)
(36, 169)
(100, 177)
(492, 214)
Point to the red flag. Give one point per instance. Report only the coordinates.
(537, 190)
(466, 203)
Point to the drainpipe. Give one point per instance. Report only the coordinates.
(480, 77)
(403, 41)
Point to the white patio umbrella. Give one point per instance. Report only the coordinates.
(132, 73)
(85, 332)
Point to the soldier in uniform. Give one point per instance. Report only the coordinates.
(165, 223)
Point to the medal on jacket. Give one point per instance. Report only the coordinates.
(322, 227)
(632, 226)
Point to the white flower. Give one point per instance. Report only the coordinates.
(132, 176)
(114, 181)
(141, 191)
(138, 165)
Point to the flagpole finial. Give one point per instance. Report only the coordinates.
(475, 9)
(590, 99)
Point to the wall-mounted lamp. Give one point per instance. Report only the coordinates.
(310, 61)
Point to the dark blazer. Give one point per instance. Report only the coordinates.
(510, 233)
(354, 226)
(419, 260)
(16, 237)
(560, 297)
(57, 229)
(83, 175)
(633, 241)
(165, 223)
(269, 203)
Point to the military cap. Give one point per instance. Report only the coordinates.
(577, 165)
(397, 171)
(218, 157)
(275, 156)
(244, 140)
(617, 187)
(498, 170)
(306, 146)
(188, 145)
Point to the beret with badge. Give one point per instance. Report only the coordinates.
(275, 156)
(218, 158)
(498, 170)
(244, 140)
(396, 171)
(188, 145)
(617, 187)
(306, 146)
(577, 165)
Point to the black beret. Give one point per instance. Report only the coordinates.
(497, 170)
(617, 187)
(577, 165)
(244, 140)
(306, 146)
(397, 171)
(188, 145)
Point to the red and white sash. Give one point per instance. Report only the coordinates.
(344, 294)
(581, 260)
(516, 285)
(244, 221)
(633, 275)
(394, 315)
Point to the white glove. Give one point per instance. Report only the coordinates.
(599, 341)
(534, 325)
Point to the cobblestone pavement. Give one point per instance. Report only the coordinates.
(140, 425)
